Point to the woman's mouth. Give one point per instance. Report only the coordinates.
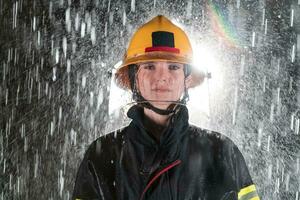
(161, 90)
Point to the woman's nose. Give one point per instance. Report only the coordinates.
(162, 73)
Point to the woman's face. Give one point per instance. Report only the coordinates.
(160, 82)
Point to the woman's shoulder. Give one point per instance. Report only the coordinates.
(205, 135)
(106, 144)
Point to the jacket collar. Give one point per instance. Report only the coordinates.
(174, 132)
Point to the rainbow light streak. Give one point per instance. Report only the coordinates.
(222, 25)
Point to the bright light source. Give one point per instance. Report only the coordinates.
(200, 97)
(118, 97)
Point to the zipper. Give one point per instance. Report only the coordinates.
(161, 172)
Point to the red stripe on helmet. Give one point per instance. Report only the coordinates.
(167, 49)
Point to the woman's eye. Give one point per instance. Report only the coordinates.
(174, 67)
(149, 67)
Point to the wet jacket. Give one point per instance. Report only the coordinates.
(188, 163)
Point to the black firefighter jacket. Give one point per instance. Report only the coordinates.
(188, 163)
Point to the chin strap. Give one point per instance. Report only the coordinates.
(146, 104)
(140, 100)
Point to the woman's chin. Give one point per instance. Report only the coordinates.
(161, 105)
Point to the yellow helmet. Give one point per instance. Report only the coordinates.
(157, 40)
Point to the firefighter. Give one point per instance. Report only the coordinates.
(159, 155)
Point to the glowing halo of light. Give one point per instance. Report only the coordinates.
(206, 60)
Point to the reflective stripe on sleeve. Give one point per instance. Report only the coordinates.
(248, 193)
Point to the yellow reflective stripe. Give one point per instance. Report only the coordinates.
(255, 198)
(246, 190)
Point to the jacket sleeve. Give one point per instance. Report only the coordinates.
(87, 184)
(235, 163)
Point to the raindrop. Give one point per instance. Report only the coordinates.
(60, 182)
(291, 84)
(293, 53)
(4, 166)
(111, 18)
(22, 130)
(51, 128)
(77, 98)
(266, 27)
(74, 45)
(15, 14)
(54, 74)
(92, 120)
(77, 21)
(17, 96)
(272, 112)
(34, 23)
(10, 181)
(132, 5)
(50, 9)
(277, 185)
(124, 18)
(253, 39)
(282, 174)
(287, 182)
(91, 98)
(6, 96)
(73, 137)
(88, 22)
(189, 9)
(259, 137)
(292, 18)
(59, 114)
(99, 99)
(25, 144)
(297, 126)
(238, 3)
(263, 16)
(56, 56)
(68, 66)
(68, 20)
(270, 171)
(18, 184)
(46, 143)
(105, 29)
(292, 121)
(46, 88)
(82, 29)
(93, 35)
(108, 7)
(278, 96)
(36, 164)
(83, 81)
(65, 43)
(38, 38)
